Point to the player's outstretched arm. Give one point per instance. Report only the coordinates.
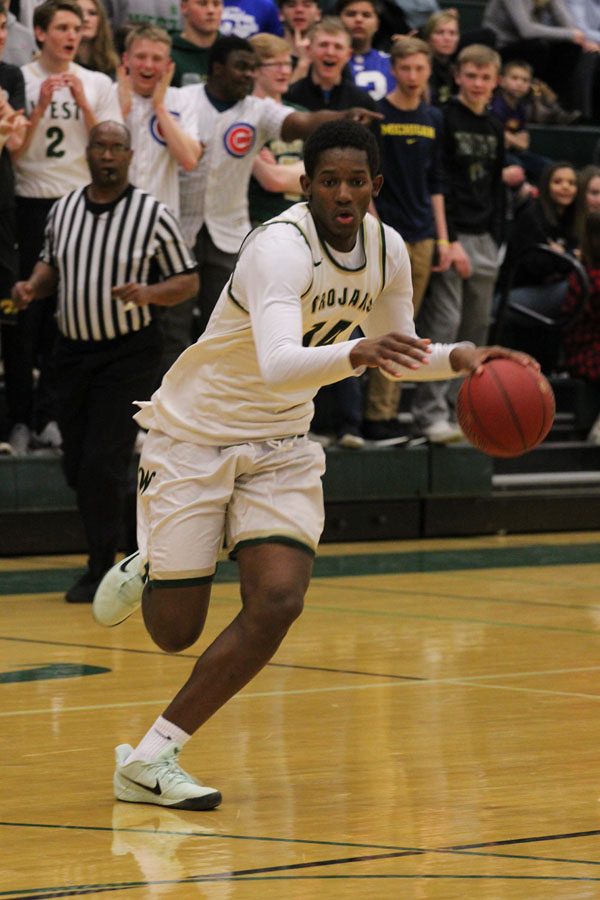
(470, 359)
(302, 124)
(391, 353)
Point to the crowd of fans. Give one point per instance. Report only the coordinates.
(213, 93)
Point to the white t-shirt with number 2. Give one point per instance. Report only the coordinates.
(54, 162)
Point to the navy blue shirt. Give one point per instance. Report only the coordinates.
(410, 143)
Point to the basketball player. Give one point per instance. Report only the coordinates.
(227, 460)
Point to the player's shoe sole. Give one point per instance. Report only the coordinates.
(162, 782)
(119, 593)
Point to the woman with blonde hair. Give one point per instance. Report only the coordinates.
(96, 50)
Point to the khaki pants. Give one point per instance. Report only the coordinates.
(383, 396)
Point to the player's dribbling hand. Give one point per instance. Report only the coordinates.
(395, 354)
(471, 359)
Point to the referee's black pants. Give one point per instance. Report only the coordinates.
(98, 382)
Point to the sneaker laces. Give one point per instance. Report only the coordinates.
(169, 769)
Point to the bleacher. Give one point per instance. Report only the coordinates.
(371, 494)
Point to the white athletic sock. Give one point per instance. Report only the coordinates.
(157, 738)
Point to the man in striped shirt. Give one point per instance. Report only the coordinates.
(110, 251)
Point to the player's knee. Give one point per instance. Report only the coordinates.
(277, 609)
(174, 641)
(174, 620)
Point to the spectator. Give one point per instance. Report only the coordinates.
(411, 201)
(12, 134)
(458, 303)
(586, 16)
(190, 49)
(442, 33)
(109, 345)
(164, 131)
(325, 86)
(63, 102)
(540, 280)
(508, 105)
(160, 118)
(20, 44)
(298, 17)
(370, 68)
(588, 196)
(581, 339)
(247, 17)
(234, 127)
(543, 33)
(549, 219)
(338, 407)
(96, 50)
(275, 182)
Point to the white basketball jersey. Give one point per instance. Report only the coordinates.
(215, 393)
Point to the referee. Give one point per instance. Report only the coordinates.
(110, 251)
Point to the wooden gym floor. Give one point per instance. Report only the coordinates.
(430, 729)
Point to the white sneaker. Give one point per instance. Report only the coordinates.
(49, 436)
(162, 782)
(594, 434)
(442, 432)
(20, 438)
(119, 593)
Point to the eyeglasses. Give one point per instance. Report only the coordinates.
(276, 65)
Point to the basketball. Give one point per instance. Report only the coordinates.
(507, 409)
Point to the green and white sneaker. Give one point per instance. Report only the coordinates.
(162, 782)
(120, 592)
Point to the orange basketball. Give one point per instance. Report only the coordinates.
(507, 409)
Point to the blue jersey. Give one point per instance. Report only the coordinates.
(247, 17)
(373, 73)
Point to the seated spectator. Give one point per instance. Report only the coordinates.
(588, 198)
(298, 17)
(20, 46)
(371, 69)
(243, 18)
(96, 50)
(190, 49)
(581, 339)
(325, 87)
(275, 182)
(539, 281)
(549, 219)
(442, 33)
(543, 34)
(508, 105)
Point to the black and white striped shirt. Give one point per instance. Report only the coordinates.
(95, 247)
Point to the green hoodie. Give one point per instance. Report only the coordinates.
(191, 62)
